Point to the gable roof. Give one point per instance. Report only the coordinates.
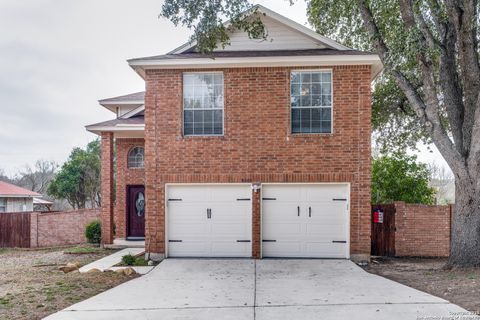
(132, 98)
(301, 30)
(9, 190)
(312, 50)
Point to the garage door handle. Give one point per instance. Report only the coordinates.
(339, 199)
(298, 211)
(243, 199)
(243, 240)
(269, 198)
(338, 241)
(309, 212)
(269, 240)
(175, 240)
(174, 199)
(209, 213)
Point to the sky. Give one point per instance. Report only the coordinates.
(59, 57)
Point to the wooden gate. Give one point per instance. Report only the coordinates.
(383, 230)
(15, 230)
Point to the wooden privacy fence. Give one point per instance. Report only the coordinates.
(414, 230)
(15, 230)
(383, 230)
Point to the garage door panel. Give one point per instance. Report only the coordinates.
(230, 194)
(188, 248)
(229, 249)
(278, 211)
(324, 192)
(189, 194)
(187, 212)
(231, 230)
(332, 231)
(322, 220)
(189, 230)
(282, 249)
(232, 212)
(286, 230)
(213, 232)
(329, 250)
(281, 193)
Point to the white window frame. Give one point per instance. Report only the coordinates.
(3, 204)
(128, 158)
(183, 105)
(310, 107)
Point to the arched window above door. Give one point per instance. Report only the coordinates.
(135, 157)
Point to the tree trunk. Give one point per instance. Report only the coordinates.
(465, 243)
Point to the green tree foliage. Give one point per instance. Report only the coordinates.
(78, 181)
(93, 232)
(400, 178)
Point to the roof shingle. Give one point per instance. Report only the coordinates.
(7, 189)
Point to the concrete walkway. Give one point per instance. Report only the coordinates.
(111, 260)
(263, 289)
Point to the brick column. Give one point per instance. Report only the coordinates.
(107, 187)
(256, 225)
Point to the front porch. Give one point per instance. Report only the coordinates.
(122, 171)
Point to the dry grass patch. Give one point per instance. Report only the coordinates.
(32, 287)
(459, 286)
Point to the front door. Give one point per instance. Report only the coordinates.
(136, 211)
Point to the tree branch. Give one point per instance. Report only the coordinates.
(429, 117)
(463, 16)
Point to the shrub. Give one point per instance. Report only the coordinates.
(93, 232)
(128, 260)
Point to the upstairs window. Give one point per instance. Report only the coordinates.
(203, 104)
(135, 157)
(311, 101)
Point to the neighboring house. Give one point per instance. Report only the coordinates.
(261, 149)
(16, 199)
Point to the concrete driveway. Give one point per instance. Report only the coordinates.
(260, 289)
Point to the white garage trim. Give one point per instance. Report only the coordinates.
(170, 185)
(347, 212)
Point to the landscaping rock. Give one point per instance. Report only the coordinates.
(120, 271)
(94, 270)
(129, 271)
(150, 262)
(69, 267)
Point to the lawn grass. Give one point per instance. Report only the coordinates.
(83, 249)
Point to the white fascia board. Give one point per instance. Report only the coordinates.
(117, 103)
(133, 112)
(118, 128)
(284, 61)
(283, 20)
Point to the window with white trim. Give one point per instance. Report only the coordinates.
(136, 156)
(203, 104)
(311, 101)
(3, 204)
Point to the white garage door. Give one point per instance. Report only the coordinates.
(307, 221)
(209, 220)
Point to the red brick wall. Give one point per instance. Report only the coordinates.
(107, 187)
(257, 145)
(422, 230)
(124, 177)
(60, 228)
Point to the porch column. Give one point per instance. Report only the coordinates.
(107, 187)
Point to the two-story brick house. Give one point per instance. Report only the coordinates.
(261, 151)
